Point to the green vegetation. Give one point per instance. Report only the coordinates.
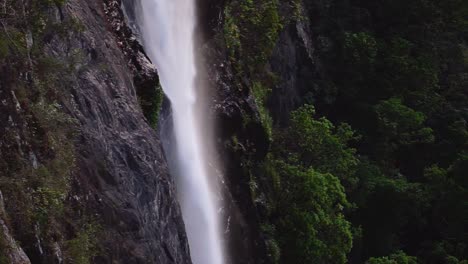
(311, 157)
(398, 258)
(403, 91)
(311, 210)
(83, 247)
(249, 50)
(306, 201)
(260, 94)
(244, 21)
(150, 99)
(376, 172)
(38, 146)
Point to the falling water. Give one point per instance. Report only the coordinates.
(167, 28)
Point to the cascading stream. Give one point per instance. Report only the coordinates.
(167, 28)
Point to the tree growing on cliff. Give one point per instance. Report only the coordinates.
(311, 158)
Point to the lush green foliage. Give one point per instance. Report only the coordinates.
(260, 94)
(396, 72)
(320, 144)
(399, 71)
(399, 79)
(398, 258)
(249, 51)
(244, 20)
(309, 198)
(312, 227)
(151, 99)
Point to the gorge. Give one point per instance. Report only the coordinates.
(233, 131)
(168, 31)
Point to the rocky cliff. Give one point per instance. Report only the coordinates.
(82, 172)
(262, 64)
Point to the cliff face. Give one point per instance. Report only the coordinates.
(78, 108)
(293, 62)
(241, 137)
(255, 66)
(70, 114)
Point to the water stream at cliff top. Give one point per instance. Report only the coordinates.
(168, 28)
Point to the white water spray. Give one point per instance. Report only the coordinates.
(167, 28)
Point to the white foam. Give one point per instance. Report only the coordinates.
(167, 28)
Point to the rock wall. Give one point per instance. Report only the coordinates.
(242, 134)
(119, 177)
(240, 137)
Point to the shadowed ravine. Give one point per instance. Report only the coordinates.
(167, 29)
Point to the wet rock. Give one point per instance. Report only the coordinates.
(241, 139)
(122, 170)
(120, 177)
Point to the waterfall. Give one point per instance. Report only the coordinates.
(167, 29)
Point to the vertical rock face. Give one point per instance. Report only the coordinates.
(120, 178)
(293, 63)
(243, 141)
(13, 252)
(236, 116)
(121, 157)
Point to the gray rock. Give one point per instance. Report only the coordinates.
(121, 168)
(14, 253)
(120, 177)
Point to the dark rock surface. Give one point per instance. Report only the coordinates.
(120, 176)
(295, 63)
(14, 252)
(122, 170)
(241, 136)
(233, 110)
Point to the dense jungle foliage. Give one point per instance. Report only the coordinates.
(377, 170)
